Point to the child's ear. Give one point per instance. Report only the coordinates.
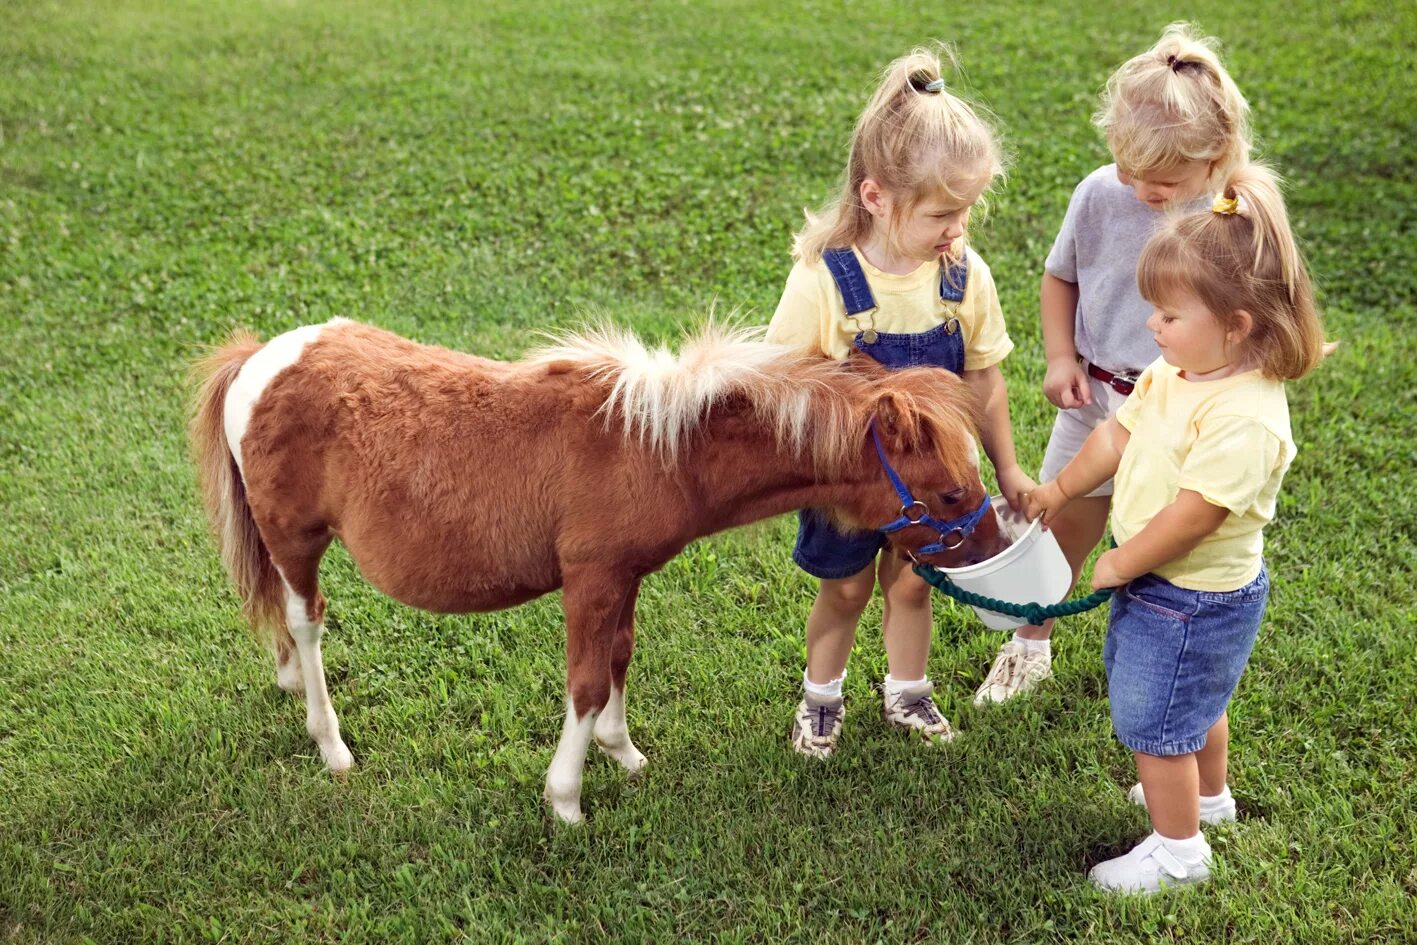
(873, 198)
(1242, 323)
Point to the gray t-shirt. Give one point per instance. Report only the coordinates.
(1099, 244)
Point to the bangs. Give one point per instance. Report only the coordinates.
(1166, 269)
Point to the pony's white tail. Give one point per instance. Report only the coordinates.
(243, 552)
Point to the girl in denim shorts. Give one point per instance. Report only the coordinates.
(1197, 454)
(884, 273)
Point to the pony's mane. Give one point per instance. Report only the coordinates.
(813, 404)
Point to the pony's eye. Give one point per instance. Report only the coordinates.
(952, 497)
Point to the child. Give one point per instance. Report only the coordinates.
(884, 271)
(1198, 452)
(1175, 124)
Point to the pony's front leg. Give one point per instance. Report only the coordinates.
(611, 732)
(592, 602)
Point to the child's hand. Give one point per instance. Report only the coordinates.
(1065, 385)
(1015, 484)
(1105, 573)
(1046, 500)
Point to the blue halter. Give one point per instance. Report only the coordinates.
(964, 525)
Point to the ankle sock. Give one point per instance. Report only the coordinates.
(823, 692)
(1035, 646)
(1190, 850)
(1219, 801)
(896, 687)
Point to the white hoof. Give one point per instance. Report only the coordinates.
(625, 754)
(567, 810)
(337, 758)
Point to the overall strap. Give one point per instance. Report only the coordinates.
(953, 279)
(850, 280)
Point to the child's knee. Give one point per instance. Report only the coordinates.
(908, 590)
(849, 596)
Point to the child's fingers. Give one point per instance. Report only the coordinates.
(1084, 390)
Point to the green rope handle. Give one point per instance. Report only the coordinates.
(1034, 613)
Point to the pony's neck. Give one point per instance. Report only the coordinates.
(743, 479)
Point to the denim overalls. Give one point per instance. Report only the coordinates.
(823, 550)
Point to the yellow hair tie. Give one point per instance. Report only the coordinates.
(1225, 206)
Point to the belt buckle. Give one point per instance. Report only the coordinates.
(1123, 384)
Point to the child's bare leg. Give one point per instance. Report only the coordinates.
(1213, 759)
(905, 618)
(831, 625)
(1078, 528)
(1172, 787)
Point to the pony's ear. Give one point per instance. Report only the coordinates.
(897, 420)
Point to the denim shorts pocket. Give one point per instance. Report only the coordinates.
(1147, 596)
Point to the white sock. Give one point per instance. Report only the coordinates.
(1035, 646)
(1217, 801)
(897, 686)
(828, 690)
(1189, 850)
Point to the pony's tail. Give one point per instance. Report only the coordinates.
(244, 554)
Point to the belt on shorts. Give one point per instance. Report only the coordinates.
(1122, 383)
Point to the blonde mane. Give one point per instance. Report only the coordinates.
(814, 405)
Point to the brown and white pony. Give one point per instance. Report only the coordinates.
(463, 484)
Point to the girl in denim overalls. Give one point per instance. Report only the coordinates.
(884, 273)
(1198, 451)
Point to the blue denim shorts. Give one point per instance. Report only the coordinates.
(1173, 658)
(825, 551)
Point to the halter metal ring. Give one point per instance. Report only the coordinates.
(905, 511)
(963, 536)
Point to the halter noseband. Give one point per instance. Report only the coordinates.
(964, 525)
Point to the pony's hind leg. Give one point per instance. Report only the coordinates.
(289, 675)
(612, 733)
(296, 555)
(593, 603)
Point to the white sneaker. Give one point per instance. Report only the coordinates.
(1149, 867)
(915, 711)
(1215, 812)
(1016, 670)
(816, 726)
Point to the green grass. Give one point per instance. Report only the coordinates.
(467, 174)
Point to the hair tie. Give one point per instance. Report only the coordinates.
(1225, 206)
(935, 85)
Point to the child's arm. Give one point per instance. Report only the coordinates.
(1175, 531)
(1065, 385)
(996, 433)
(1094, 464)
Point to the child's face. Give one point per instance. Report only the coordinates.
(931, 226)
(1157, 188)
(1190, 336)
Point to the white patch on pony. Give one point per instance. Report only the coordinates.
(612, 734)
(563, 778)
(256, 375)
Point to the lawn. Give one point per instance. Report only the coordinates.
(469, 174)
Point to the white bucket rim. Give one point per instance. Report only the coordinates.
(989, 565)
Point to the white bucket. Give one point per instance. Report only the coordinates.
(1031, 569)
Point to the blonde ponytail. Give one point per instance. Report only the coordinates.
(1172, 104)
(916, 139)
(1242, 256)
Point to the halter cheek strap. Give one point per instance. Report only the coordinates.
(963, 526)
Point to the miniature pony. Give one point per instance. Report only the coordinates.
(460, 484)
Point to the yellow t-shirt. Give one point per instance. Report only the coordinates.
(1228, 440)
(812, 315)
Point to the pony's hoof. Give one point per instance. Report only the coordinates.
(338, 760)
(634, 763)
(568, 812)
(625, 754)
